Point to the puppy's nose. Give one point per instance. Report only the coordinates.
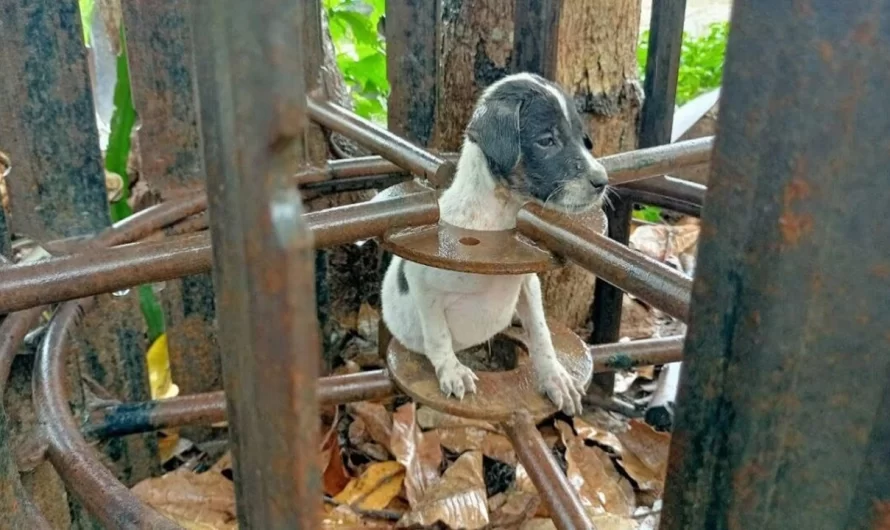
(598, 178)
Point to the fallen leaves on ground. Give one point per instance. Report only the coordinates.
(419, 452)
(376, 488)
(457, 500)
(194, 500)
(417, 468)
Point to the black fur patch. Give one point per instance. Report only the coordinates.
(401, 279)
(530, 145)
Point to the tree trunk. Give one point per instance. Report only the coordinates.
(597, 64)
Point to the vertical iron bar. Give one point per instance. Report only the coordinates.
(660, 87)
(253, 122)
(782, 420)
(162, 74)
(56, 184)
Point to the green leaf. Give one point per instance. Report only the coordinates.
(651, 214)
(122, 121)
(363, 29)
(86, 19)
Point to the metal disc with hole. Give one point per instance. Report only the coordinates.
(449, 247)
(498, 394)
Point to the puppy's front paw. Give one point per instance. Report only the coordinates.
(456, 379)
(559, 385)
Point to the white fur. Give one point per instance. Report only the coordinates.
(446, 311)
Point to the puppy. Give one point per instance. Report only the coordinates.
(525, 142)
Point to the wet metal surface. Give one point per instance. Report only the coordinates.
(650, 280)
(381, 141)
(783, 417)
(627, 355)
(659, 160)
(210, 407)
(84, 474)
(88, 273)
(498, 394)
(253, 122)
(553, 485)
(98, 271)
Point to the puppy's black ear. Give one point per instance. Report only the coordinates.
(494, 127)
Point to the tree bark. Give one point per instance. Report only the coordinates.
(597, 65)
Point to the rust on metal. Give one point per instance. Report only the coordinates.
(84, 474)
(159, 49)
(381, 141)
(354, 222)
(783, 402)
(498, 394)
(557, 493)
(630, 271)
(655, 161)
(252, 74)
(210, 407)
(627, 355)
(89, 273)
(57, 183)
(120, 267)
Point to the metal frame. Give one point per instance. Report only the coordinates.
(260, 245)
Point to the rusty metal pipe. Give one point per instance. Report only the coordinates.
(86, 274)
(556, 492)
(626, 355)
(380, 140)
(210, 407)
(654, 282)
(677, 189)
(623, 168)
(89, 273)
(207, 408)
(655, 161)
(95, 486)
(347, 224)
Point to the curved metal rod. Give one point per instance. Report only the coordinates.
(95, 486)
(142, 224)
(630, 271)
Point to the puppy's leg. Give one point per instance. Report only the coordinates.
(454, 378)
(553, 379)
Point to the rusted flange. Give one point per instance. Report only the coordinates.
(446, 246)
(498, 394)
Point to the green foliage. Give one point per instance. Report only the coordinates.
(361, 53)
(649, 213)
(701, 61)
(86, 17)
(116, 156)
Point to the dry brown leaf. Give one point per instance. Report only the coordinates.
(637, 321)
(377, 421)
(419, 452)
(587, 431)
(511, 508)
(458, 499)
(194, 498)
(523, 483)
(343, 517)
(598, 486)
(334, 477)
(645, 454)
(429, 418)
(375, 488)
(492, 445)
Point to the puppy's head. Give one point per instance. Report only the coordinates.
(536, 145)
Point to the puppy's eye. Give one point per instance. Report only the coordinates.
(546, 141)
(588, 143)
